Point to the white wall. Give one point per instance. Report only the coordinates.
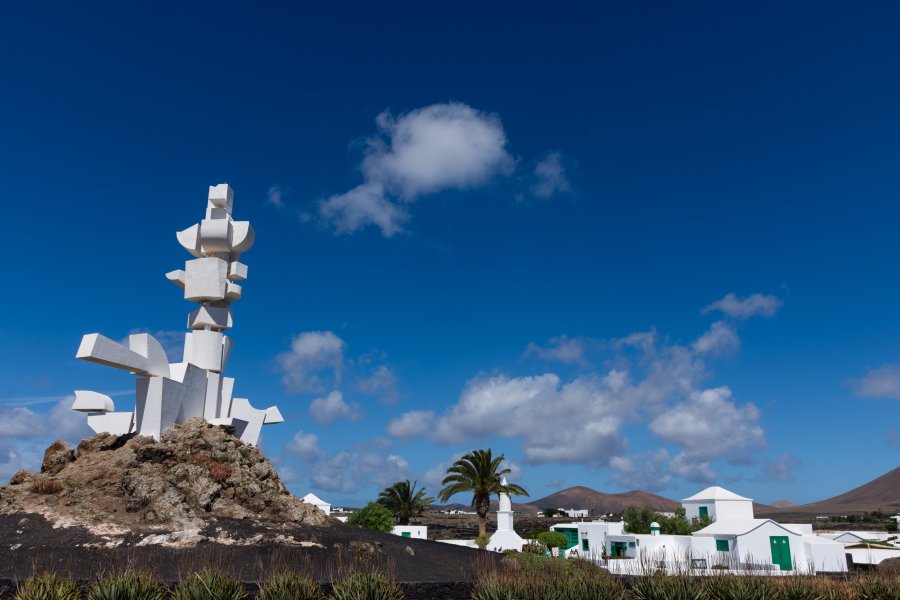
(871, 556)
(754, 547)
(825, 557)
(418, 532)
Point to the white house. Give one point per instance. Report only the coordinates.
(735, 541)
(311, 498)
(574, 513)
(717, 503)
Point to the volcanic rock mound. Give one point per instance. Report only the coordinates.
(196, 471)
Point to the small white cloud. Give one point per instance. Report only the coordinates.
(883, 382)
(411, 424)
(311, 353)
(550, 177)
(332, 408)
(304, 445)
(362, 206)
(781, 469)
(347, 472)
(428, 150)
(382, 383)
(764, 305)
(275, 196)
(563, 349)
(720, 339)
(645, 471)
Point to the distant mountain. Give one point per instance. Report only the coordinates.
(783, 504)
(580, 497)
(879, 494)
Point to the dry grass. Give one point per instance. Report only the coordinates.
(45, 485)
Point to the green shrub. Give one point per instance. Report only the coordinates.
(553, 539)
(877, 587)
(740, 587)
(48, 587)
(209, 585)
(676, 587)
(366, 585)
(534, 547)
(373, 516)
(482, 541)
(127, 585)
(290, 586)
(539, 578)
(798, 587)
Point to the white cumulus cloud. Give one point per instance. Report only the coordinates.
(550, 177)
(882, 382)
(411, 424)
(561, 348)
(764, 305)
(721, 338)
(440, 147)
(332, 408)
(311, 353)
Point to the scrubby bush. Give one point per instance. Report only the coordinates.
(740, 587)
(553, 539)
(209, 585)
(659, 587)
(366, 585)
(541, 578)
(373, 516)
(290, 586)
(877, 587)
(534, 547)
(482, 541)
(127, 585)
(45, 485)
(48, 587)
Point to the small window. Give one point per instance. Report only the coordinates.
(722, 545)
(585, 545)
(631, 544)
(406, 534)
(704, 512)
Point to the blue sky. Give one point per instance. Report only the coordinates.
(639, 245)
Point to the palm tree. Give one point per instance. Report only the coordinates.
(404, 501)
(478, 472)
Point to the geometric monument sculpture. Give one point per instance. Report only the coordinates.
(167, 394)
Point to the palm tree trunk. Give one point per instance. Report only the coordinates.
(482, 506)
(482, 525)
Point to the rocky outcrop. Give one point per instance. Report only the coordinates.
(56, 457)
(195, 472)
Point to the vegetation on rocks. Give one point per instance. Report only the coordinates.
(195, 470)
(290, 586)
(48, 587)
(127, 585)
(209, 585)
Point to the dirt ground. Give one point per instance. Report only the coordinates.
(248, 549)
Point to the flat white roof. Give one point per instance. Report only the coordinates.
(738, 527)
(715, 493)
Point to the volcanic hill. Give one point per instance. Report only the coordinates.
(881, 494)
(580, 497)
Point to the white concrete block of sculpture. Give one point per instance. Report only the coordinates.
(205, 279)
(169, 393)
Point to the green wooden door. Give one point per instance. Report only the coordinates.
(781, 552)
(703, 512)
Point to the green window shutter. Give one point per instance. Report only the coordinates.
(406, 534)
(704, 512)
(722, 545)
(585, 545)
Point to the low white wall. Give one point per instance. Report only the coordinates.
(418, 532)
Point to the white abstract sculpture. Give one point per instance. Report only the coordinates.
(167, 394)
